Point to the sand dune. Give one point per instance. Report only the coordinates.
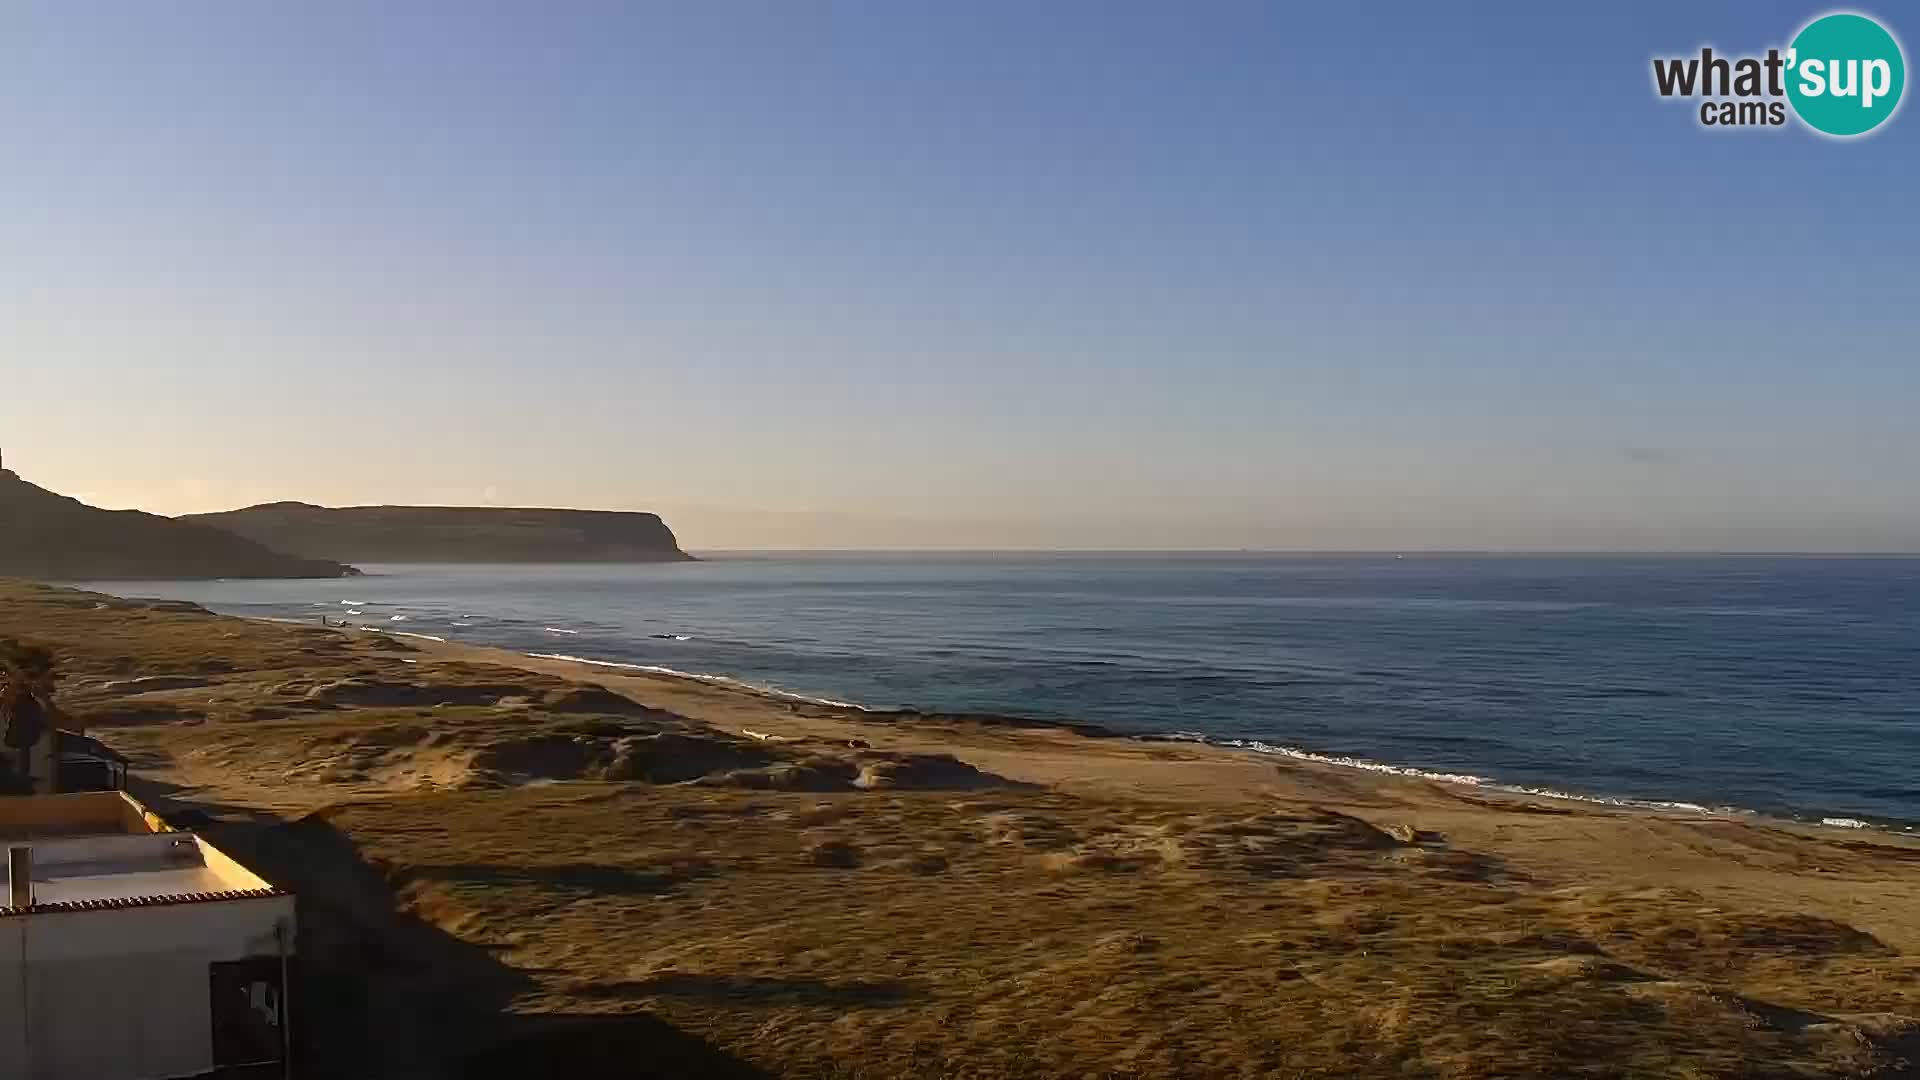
(506, 860)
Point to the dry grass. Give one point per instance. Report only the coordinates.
(1039, 935)
(685, 900)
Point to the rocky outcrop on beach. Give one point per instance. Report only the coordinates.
(49, 536)
(471, 534)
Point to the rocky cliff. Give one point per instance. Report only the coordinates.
(368, 534)
(49, 536)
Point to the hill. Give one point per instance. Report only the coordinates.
(44, 535)
(453, 533)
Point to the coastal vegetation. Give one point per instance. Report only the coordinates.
(509, 864)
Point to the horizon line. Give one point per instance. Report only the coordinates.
(1701, 553)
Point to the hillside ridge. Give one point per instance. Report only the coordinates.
(389, 533)
(47, 535)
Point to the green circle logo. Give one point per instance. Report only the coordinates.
(1845, 74)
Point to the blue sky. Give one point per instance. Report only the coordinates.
(985, 274)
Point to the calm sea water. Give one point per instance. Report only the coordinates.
(1787, 686)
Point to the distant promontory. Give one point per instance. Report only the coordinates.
(51, 537)
(455, 534)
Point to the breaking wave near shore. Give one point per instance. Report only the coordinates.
(1778, 686)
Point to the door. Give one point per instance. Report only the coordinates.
(249, 1011)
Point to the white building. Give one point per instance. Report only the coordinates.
(129, 951)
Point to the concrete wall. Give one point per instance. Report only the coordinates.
(79, 814)
(100, 995)
(234, 875)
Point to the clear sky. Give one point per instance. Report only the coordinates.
(985, 274)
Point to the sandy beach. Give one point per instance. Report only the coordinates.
(505, 859)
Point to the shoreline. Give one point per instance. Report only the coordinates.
(1254, 748)
(1251, 748)
(529, 841)
(1543, 783)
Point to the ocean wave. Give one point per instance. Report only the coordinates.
(558, 630)
(1483, 783)
(1615, 800)
(397, 633)
(1473, 780)
(396, 618)
(1259, 747)
(1458, 778)
(712, 680)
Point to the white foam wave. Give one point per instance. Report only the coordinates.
(396, 618)
(1363, 764)
(396, 633)
(1615, 800)
(1463, 779)
(711, 680)
(557, 630)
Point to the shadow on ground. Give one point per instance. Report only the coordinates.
(759, 990)
(381, 993)
(189, 808)
(641, 1047)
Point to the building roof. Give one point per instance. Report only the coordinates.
(89, 853)
(84, 813)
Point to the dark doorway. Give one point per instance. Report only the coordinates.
(249, 1011)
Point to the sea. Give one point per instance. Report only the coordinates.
(1785, 686)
